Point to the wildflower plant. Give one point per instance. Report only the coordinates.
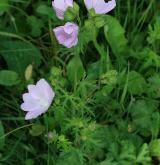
(98, 100)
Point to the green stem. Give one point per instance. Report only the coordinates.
(53, 41)
(12, 35)
(98, 48)
(24, 126)
(125, 89)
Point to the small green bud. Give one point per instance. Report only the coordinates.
(84, 138)
(109, 78)
(62, 138)
(56, 72)
(72, 12)
(28, 72)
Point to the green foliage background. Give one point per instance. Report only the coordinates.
(106, 109)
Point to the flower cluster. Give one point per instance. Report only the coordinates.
(67, 35)
(40, 96)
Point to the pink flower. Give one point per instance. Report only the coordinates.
(50, 135)
(61, 6)
(67, 35)
(100, 6)
(38, 99)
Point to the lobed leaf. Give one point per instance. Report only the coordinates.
(19, 55)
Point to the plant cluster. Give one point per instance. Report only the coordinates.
(104, 69)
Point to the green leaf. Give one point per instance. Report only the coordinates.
(121, 154)
(85, 88)
(153, 31)
(19, 55)
(88, 32)
(46, 11)
(142, 112)
(154, 148)
(127, 151)
(136, 83)
(154, 86)
(4, 6)
(109, 161)
(2, 140)
(75, 69)
(93, 70)
(143, 155)
(36, 25)
(114, 34)
(72, 157)
(37, 129)
(29, 162)
(8, 78)
(150, 59)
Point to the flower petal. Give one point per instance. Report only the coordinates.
(59, 13)
(103, 8)
(100, 6)
(60, 34)
(69, 28)
(28, 106)
(43, 85)
(27, 97)
(89, 4)
(69, 2)
(35, 92)
(33, 114)
(59, 4)
(67, 35)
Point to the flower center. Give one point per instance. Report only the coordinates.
(43, 103)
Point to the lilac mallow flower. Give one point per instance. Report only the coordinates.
(38, 99)
(67, 35)
(100, 6)
(60, 6)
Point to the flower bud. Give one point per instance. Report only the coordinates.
(72, 12)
